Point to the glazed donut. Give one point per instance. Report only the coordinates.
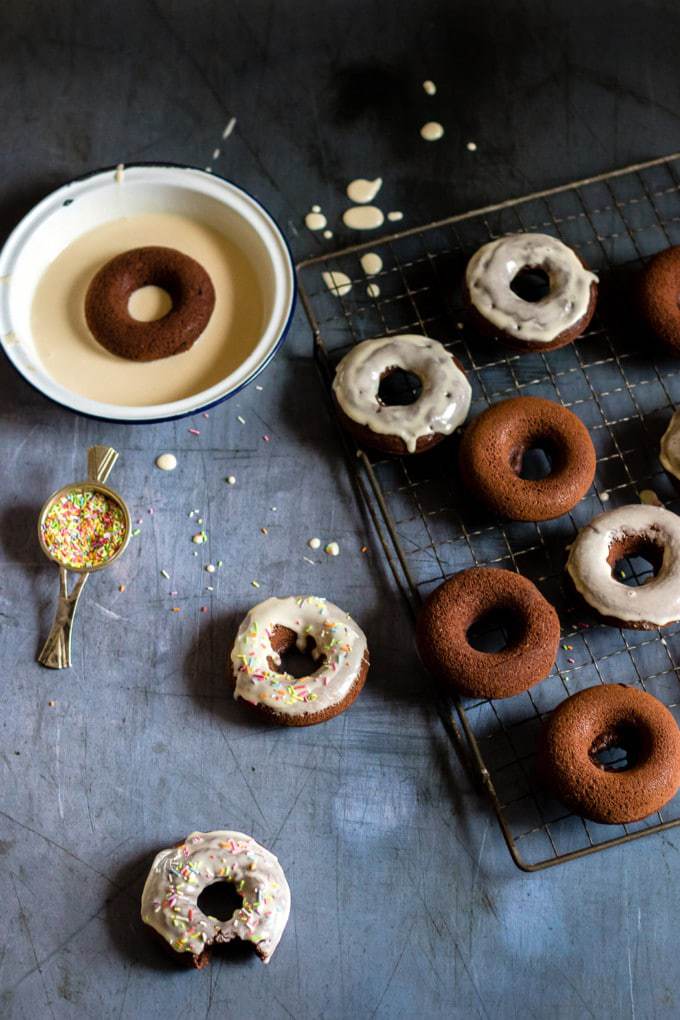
(556, 319)
(598, 718)
(440, 408)
(313, 624)
(185, 280)
(658, 296)
(669, 452)
(628, 531)
(493, 446)
(464, 599)
(179, 875)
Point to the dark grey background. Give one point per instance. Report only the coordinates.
(405, 899)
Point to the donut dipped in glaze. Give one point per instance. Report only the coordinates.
(650, 531)
(185, 281)
(494, 444)
(553, 321)
(179, 875)
(313, 625)
(599, 718)
(658, 296)
(466, 598)
(439, 409)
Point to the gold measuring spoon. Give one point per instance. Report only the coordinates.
(56, 652)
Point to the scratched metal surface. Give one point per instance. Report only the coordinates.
(404, 898)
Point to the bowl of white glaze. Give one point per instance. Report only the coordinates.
(50, 257)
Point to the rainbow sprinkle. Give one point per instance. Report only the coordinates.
(83, 529)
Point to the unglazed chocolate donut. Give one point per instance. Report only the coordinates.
(185, 280)
(312, 624)
(440, 408)
(659, 293)
(466, 598)
(494, 444)
(611, 715)
(650, 531)
(669, 452)
(556, 319)
(179, 875)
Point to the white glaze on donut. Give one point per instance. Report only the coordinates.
(180, 874)
(443, 403)
(669, 453)
(492, 269)
(338, 641)
(656, 602)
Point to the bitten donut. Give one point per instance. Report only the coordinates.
(669, 452)
(316, 626)
(185, 280)
(494, 444)
(636, 530)
(659, 292)
(179, 875)
(464, 599)
(555, 320)
(601, 717)
(440, 408)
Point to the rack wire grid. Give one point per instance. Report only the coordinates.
(614, 377)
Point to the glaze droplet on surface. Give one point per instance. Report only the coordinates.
(166, 461)
(371, 263)
(395, 215)
(432, 131)
(430, 87)
(362, 190)
(471, 146)
(363, 217)
(373, 290)
(315, 220)
(338, 283)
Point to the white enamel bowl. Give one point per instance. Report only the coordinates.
(88, 202)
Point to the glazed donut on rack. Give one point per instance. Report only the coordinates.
(441, 406)
(554, 320)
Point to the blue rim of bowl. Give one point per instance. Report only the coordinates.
(227, 396)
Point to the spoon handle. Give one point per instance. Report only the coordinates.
(56, 652)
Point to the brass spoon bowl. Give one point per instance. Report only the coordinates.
(56, 652)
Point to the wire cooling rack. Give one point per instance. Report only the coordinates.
(621, 386)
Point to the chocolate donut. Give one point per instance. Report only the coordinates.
(465, 599)
(439, 409)
(649, 531)
(179, 875)
(315, 625)
(658, 296)
(601, 717)
(551, 322)
(669, 451)
(493, 446)
(185, 280)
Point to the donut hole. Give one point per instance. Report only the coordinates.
(295, 662)
(531, 284)
(635, 559)
(219, 900)
(620, 748)
(535, 461)
(148, 304)
(398, 388)
(494, 631)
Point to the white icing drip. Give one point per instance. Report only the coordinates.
(338, 639)
(371, 263)
(338, 283)
(315, 220)
(657, 601)
(180, 874)
(373, 290)
(395, 215)
(492, 269)
(166, 461)
(430, 87)
(363, 191)
(669, 454)
(432, 131)
(363, 217)
(443, 403)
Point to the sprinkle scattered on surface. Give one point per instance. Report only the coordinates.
(121, 587)
(471, 146)
(332, 549)
(194, 432)
(175, 609)
(314, 543)
(266, 437)
(265, 531)
(136, 531)
(231, 480)
(211, 568)
(571, 661)
(51, 704)
(239, 417)
(364, 549)
(307, 560)
(165, 574)
(255, 584)
(199, 538)
(260, 388)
